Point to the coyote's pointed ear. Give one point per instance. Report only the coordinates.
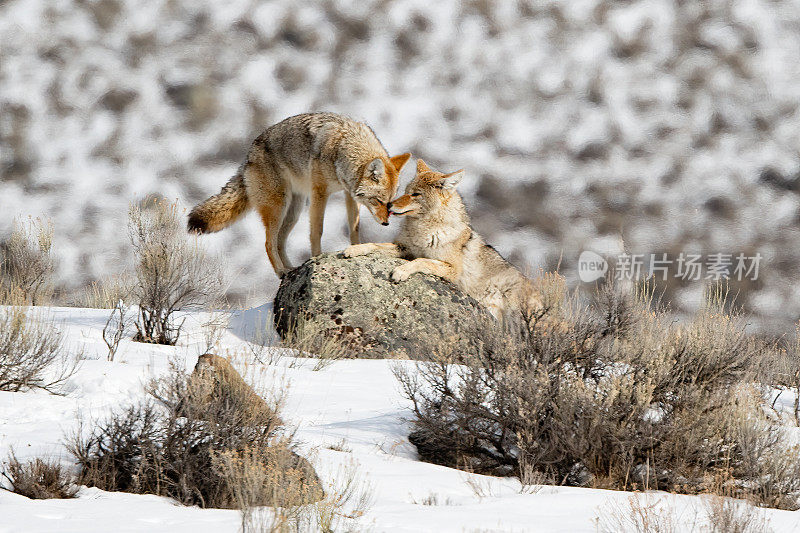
(400, 160)
(421, 166)
(449, 181)
(375, 170)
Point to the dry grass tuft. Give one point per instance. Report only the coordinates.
(308, 340)
(39, 479)
(343, 509)
(273, 476)
(650, 513)
(640, 514)
(108, 292)
(728, 515)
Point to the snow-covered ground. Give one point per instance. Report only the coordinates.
(348, 413)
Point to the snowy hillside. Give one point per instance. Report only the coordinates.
(349, 414)
(649, 126)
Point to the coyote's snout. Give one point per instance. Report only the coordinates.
(310, 155)
(437, 238)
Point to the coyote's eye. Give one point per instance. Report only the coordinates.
(415, 194)
(360, 195)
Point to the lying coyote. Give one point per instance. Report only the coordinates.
(437, 238)
(313, 154)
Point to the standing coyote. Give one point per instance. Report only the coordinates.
(313, 154)
(437, 238)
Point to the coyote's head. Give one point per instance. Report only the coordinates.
(428, 192)
(379, 184)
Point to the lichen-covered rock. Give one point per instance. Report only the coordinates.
(355, 299)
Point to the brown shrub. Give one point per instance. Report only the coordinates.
(39, 479)
(32, 352)
(26, 264)
(613, 394)
(172, 272)
(200, 449)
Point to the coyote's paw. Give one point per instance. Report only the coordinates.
(401, 273)
(357, 249)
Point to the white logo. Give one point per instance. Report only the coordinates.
(591, 266)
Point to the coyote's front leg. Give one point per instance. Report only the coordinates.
(383, 248)
(426, 266)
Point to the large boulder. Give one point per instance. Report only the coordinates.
(356, 300)
(215, 386)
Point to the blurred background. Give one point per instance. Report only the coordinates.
(613, 126)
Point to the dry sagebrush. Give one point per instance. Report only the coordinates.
(172, 272)
(613, 394)
(190, 444)
(26, 264)
(32, 352)
(39, 479)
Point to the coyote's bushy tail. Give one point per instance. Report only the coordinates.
(221, 210)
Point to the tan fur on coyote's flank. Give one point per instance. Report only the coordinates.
(310, 155)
